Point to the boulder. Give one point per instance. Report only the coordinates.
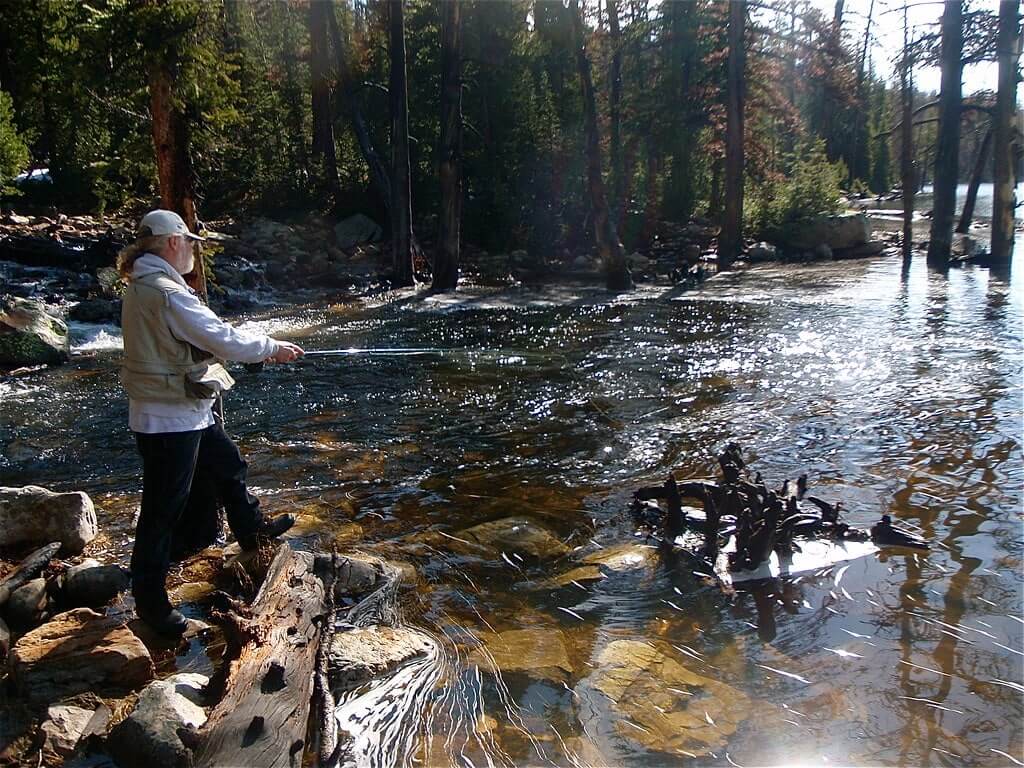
(91, 585)
(842, 231)
(63, 728)
(79, 651)
(27, 604)
(30, 336)
(823, 252)
(691, 253)
(96, 311)
(862, 251)
(150, 735)
(762, 252)
(361, 654)
(355, 230)
(35, 515)
(637, 261)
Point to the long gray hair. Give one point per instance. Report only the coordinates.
(145, 242)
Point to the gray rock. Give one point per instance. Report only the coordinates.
(150, 734)
(361, 654)
(30, 336)
(691, 253)
(862, 251)
(63, 728)
(27, 604)
(762, 252)
(96, 311)
(91, 585)
(35, 515)
(823, 252)
(842, 231)
(355, 230)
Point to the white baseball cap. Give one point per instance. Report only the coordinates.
(161, 222)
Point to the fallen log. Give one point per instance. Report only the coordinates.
(29, 569)
(262, 718)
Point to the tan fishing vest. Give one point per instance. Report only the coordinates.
(157, 365)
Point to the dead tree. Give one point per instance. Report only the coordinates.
(907, 180)
(947, 150)
(323, 120)
(446, 262)
(972, 187)
(401, 186)
(730, 242)
(613, 257)
(1007, 135)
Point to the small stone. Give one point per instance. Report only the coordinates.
(91, 585)
(63, 728)
(27, 604)
(149, 735)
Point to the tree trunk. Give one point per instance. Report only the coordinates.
(730, 242)
(446, 263)
(324, 152)
(948, 143)
(263, 717)
(1007, 136)
(651, 208)
(615, 109)
(613, 257)
(972, 188)
(907, 180)
(401, 189)
(173, 163)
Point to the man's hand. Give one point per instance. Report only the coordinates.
(286, 352)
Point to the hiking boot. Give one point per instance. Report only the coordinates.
(171, 624)
(268, 529)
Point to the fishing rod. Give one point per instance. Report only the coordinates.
(352, 351)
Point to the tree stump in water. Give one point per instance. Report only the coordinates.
(262, 718)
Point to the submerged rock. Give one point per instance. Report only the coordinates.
(598, 565)
(150, 735)
(35, 515)
(30, 336)
(79, 651)
(517, 534)
(361, 654)
(642, 693)
(541, 652)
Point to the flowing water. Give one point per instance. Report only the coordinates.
(897, 394)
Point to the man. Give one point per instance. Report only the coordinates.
(173, 345)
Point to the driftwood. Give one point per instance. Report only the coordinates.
(760, 520)
(262, 718)
(327, 751)
(29, 569)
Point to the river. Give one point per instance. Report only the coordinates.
(897, 395)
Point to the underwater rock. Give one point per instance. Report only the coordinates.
(640, 692)
(35, 515)
(540, 652)
(363, 653)
(30, 336)
(517, 534)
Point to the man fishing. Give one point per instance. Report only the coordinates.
(172, 372)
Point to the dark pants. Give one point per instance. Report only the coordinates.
(169, 461)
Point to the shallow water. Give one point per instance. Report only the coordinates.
(895, 395)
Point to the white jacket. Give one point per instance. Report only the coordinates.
(192, 321)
